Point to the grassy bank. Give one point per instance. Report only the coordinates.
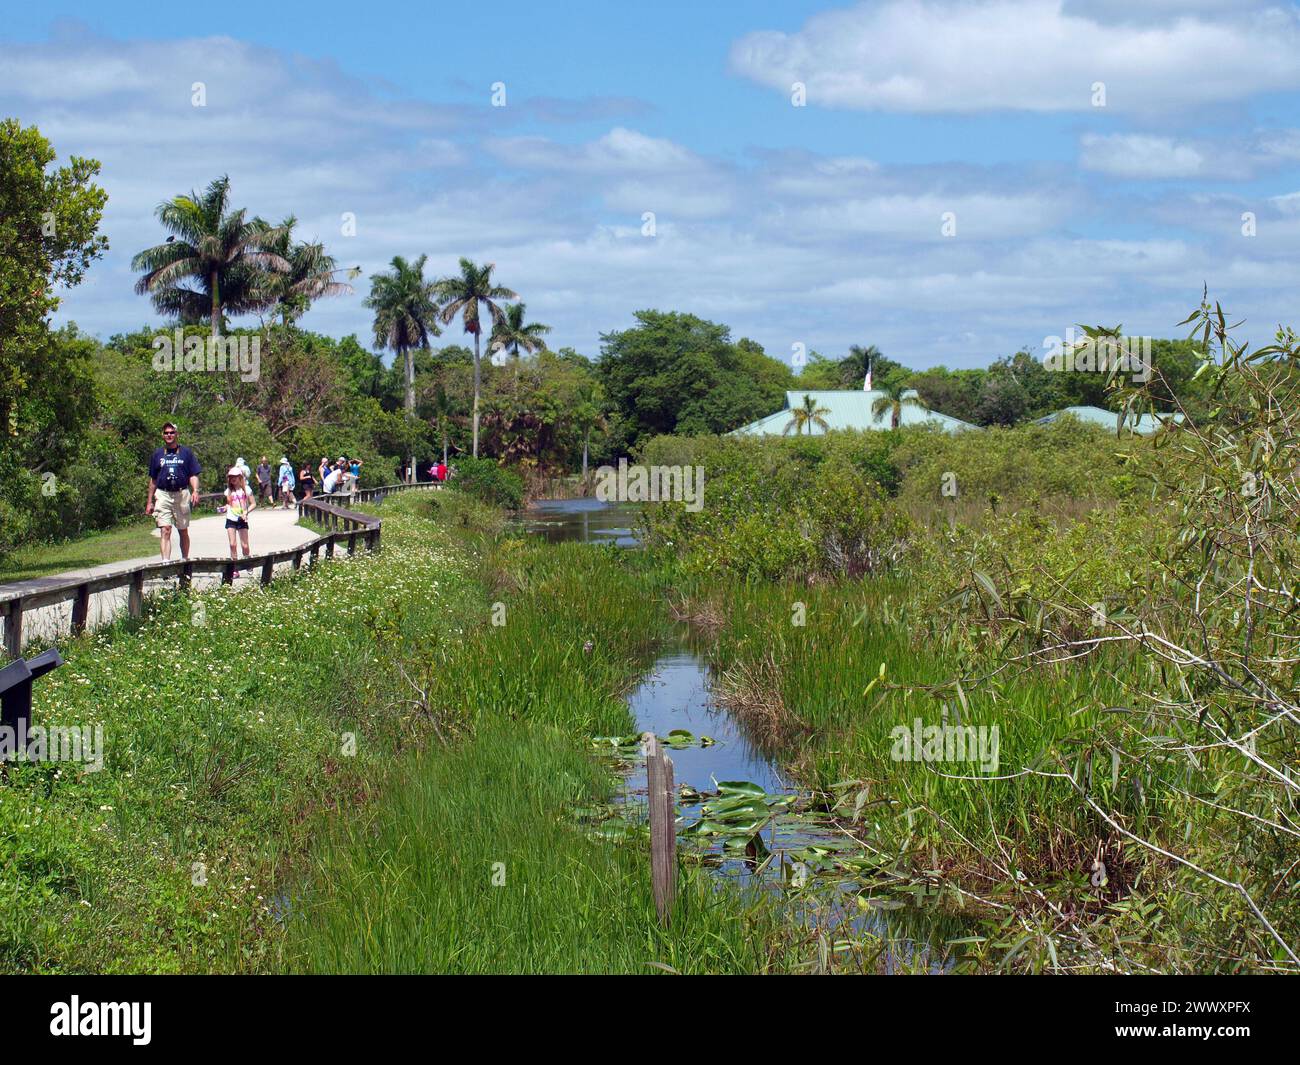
(1038, 850)
(476, 861)
(231, 724)
(132, 540)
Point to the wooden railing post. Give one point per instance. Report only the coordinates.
(14, 629)
(663, 827)
(268, 570)
(135, 594)
(80, 610)
(187, 577)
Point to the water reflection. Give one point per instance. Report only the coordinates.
(583, 521)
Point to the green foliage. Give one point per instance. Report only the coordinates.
(1063, 460)
(488, 482)
(781, 507)
(463, 511)
(676, 373)
(48, 239)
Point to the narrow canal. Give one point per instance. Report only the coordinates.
(726, 785)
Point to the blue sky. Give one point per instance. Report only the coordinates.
(820, 225)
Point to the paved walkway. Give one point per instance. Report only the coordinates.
(268, 530)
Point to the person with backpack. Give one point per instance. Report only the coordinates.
(173, 488)
(287, 484)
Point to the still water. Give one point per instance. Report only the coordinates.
(676, 694)
(583, 521)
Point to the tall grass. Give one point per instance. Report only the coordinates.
(408, 885)
(476, 864)
(958, 818)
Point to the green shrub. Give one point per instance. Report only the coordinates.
(1065, 460)
(781, 508)
(464, 511)
(489, 483)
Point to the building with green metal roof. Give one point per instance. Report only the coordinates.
(1143, 425)
(848, 409)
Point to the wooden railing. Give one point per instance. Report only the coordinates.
(345, 527)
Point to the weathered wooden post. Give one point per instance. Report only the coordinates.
(14, 628)
(663, 827)
(80, 610)
(268, 569)
(135, 594)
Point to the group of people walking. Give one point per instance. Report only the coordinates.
(286, 489)
(174, 488)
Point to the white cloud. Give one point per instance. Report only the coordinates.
(619, 151)
(1154, 156)
(1135, 155)
(783, 245)
(1025, 55)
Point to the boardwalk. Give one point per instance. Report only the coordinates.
(269, 530)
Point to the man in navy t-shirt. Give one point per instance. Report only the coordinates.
(173, 486)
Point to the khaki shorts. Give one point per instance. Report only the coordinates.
(172, 508)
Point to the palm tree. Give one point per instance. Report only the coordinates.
(512, 334)
(807, 415)
(443, 409)
(462, 295)
(225, 254)
(587, 416)
(309, 277)
(894, 398)
(854, 366)
(406, 316)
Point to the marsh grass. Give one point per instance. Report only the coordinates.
(408, 885)
(957, 819)
(476, 864)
